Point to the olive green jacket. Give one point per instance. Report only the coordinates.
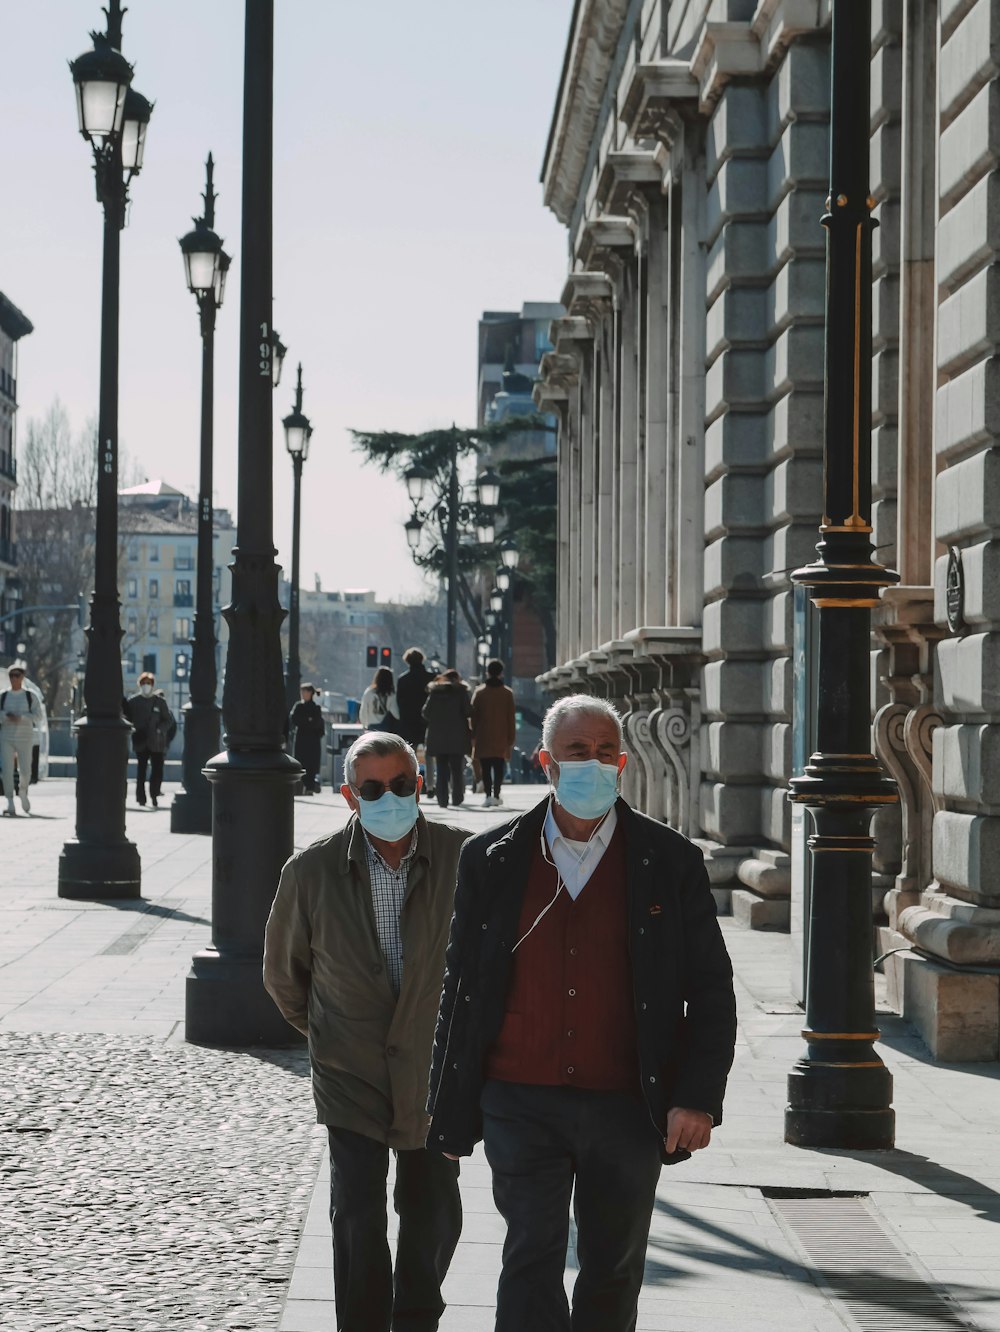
(323, 967)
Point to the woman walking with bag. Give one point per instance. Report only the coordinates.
(378, 711)
(494, 726)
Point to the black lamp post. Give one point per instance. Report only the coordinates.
(252, 779)
(100, 861)
(298, 432)
(452, 516)
(839, 1092)
(205, 266)
(510, 557)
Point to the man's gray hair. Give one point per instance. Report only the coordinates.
(566, 709)
(379, 743)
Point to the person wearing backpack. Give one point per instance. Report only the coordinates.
(18, 707)
(153, 729)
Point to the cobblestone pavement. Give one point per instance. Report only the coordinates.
(148, 1186)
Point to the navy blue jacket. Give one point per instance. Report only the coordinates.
(682, 978)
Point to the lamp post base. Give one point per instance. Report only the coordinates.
(252, 837)
(89, 870)
(191, 810)
(226, 1005)
(841, 1106)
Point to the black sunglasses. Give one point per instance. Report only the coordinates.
(399, 786)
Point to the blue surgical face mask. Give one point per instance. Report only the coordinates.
(390, 817)
(587, 789)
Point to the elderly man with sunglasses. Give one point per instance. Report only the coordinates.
(354, 958)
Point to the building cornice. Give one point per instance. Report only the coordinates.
(12, 321)
(594, 36)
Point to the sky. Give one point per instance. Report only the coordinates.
(408, 145)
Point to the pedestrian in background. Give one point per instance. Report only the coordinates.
(306, 720)
(587, 1026)
(494, 726)
(411, 694)
(153, 728)
(17, 737)
(353, 957)
(378, 711)
(446, 712)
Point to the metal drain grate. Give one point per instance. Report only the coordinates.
(857, 1264)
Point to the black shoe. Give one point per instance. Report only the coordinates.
(155, 800)
(140, 795)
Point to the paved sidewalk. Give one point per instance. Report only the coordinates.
(131, 1200)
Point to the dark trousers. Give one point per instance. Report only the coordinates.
(493, 770)
(426, 1198)
(540, 1142)
(155, 762)
(450, 767)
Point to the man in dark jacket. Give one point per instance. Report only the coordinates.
(153, 729)
(587, 1026)
(411, 691)
(306, 720)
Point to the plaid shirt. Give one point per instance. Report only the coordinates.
(388, 892)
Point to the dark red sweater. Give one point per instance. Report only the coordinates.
(569, 1016)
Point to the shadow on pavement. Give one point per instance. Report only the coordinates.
(742, 1253)
(946, 1183)
(143, 907)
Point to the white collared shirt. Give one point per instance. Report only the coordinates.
(576, 861)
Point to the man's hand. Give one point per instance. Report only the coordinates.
(690, 1129)
(448, 1157)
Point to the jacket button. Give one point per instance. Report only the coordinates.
(391, 1050)
(652, 1079)
(573, 952)
(641, 930)
(643, 1007)
(454, 1066)
(440, 1137)
(468, 997)
(645, 862)
(571, 993)
(484, 924)
(571, 1069)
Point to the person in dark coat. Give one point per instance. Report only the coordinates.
(447, 712)
(494, 729)
(306, 720)
(153, 728)
(411, 694)
(586, 1029)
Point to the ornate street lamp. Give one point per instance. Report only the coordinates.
(502, 578)
(510, 555)
(840, 1092)
(253, 778)
(485, 531)
(496, 600)
(416, 483)
(298, 432)
(205, 268)
(413, 529)
(488, 489)
(100, 861)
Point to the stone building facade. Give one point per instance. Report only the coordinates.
(13, 326)
(688, 159)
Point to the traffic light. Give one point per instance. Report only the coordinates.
(385, 657)
(372, 656)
